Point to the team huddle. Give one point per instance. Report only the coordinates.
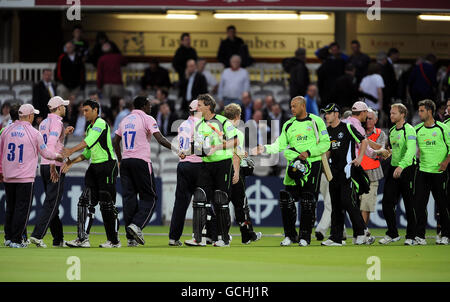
(212, 170)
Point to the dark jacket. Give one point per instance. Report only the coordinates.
(345, 91)
(182, 55)
(155, 79)
(229, 48)
(422, 82)
(97, 52)
(330, 70)
(70, 73)
(199, 86)
(390, 84)
(299, 80)
(41, 96)
(361, 63)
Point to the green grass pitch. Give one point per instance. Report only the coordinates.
(260, 261)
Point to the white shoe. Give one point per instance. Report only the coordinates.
(173, 242)
(444, 241)
(344, 242)
(78, 243)
(18, 245)
(258, 236)
(61, 244)
(193, 242)
(108, 244)
(438, 239)
(387, 239)
(370, 239)
(420, 241)
(361, 239)
(137, 233)
(303, 242)
(286, 241)
(221, 243)
(410, 242)
(7, 242)
(132, 243)
(38, 242)
(330, 242)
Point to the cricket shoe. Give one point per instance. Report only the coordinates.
(361, 239)
(132, 243)
(221, 243)
(438, 239)
(173, 242)
(256, 236)
(60, 244)
(108, 244)
(193, 242)
(303, 242)
(38, 242)
(410, 242)
(319, 236)
(286, 241)
(7, 242)
(18, 245)
(78, 243)
(420, 241)
(388, 239)
(370, 239)
(444, 241)
(330, 242)
(137, 233)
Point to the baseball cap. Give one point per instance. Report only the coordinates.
(193, 106)
(27, 109)
(331, 107)
(360, 106)
(57, 101)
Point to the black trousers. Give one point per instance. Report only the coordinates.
(49, 214)
(307, 210)
(393, 188)
(437, 184)
(136, 176)
(19, 197)
(344, 199)
(214, 176)
(187, 174)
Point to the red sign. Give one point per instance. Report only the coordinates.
(400, 5)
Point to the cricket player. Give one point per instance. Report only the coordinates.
(240, 168)
(20, 145)
(300, 133)
(214, 139)
(433, 139)
(100, 179)
(53, 132)
(188, 171)
(400, 177)
(136, 172)
(342, 155)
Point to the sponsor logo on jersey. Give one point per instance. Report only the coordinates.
(340, 135)
(430, 142)
(301, 137)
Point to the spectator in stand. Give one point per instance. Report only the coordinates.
(210, 79)
(269, 101)
(124, 109)
(233, 45)
(276, 119)
(422, 81)
(257, 105)
(246, 107)
(5, 117)
(80, 124)
(70, 72)
(162, 96)
(165, 119)
(298, 73)
(97, 51)
(109, 73)
(155, 77)
(373, 85)
(233, 82)
(389, 78)
(43, 91)
(346, 92)
(359, 60)
(183, 54)
(81, 45)
(311, 100)
(194, 84)
(332, 68)
(262, 129)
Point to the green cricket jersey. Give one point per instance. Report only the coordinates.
(447, 122)
(298, 136)
(240, 148)
(206, 136)
(98, 139)
(403, 144)
(434, 146)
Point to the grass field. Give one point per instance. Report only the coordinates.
(261, 261)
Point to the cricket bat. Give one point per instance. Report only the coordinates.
(326, 166)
